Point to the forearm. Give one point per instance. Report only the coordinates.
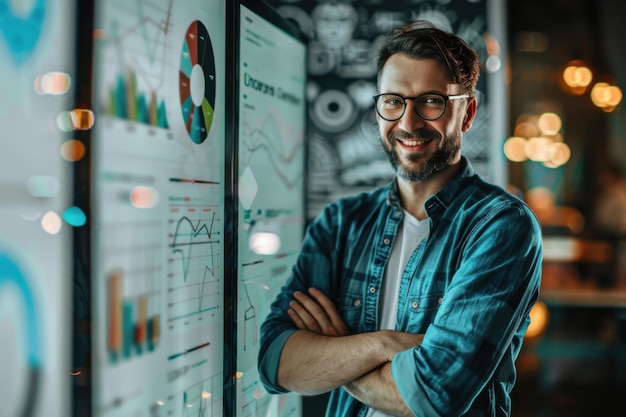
(311, 363)
(378, 390)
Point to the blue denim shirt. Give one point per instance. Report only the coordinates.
(469, 287)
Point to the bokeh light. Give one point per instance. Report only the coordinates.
(74, 216)
(73, 150)
(577, 77)
(82, 119)
(514, 149)
(264, 243)
(539, 318)
(549, 123)
(144, 197)
(53, 83)
(538, 138)
(606, 96)
(51, 223)
(538, 149)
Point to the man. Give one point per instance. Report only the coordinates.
(412, 299)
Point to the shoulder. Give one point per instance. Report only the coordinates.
(488, 197)
(481, 207)
(356, 206)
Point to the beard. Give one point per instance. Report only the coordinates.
(440, 159)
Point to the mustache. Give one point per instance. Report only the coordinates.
(420, 134)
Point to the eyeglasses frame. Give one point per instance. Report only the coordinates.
(445, 97)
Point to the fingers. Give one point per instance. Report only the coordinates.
(316, 313)
(331, 311)
(301, 316)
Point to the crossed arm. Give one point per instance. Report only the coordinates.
(322, 356)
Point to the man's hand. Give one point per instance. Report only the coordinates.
(334, 357)
(317, 314)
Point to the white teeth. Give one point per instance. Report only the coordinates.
(412, 142)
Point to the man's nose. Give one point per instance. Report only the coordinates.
(410, 120)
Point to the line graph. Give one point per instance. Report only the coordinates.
(273, 145)
(271, 154)
(186, 235)
(135, 61)
(194, 288)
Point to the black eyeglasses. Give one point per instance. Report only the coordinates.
(429, 106)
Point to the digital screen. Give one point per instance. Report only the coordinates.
(271, 163)
(36, 80)
(158, 185)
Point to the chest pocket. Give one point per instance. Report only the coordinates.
(350, 309)
(421, 311)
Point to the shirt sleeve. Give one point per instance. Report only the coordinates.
(312, 269)
(485, 307)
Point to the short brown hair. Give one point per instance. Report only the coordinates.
(421, 39)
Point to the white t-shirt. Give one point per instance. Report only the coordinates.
(410, 234)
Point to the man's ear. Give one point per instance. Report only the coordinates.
(470, 113)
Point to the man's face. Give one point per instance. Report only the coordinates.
(417, 148)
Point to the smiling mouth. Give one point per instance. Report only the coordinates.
(413, 142)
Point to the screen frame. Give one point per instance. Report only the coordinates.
(231, 221)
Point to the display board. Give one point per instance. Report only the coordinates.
(158, 186)
(36, 76)
(271, 173)
(345, 156)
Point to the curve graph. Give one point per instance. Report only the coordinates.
(194, 278)
(264, 142)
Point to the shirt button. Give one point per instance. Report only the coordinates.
(414, 304)
(440, 300)
(386, 241)
(357, 303)
(372, 290)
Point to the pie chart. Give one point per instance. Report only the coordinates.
(197, 82)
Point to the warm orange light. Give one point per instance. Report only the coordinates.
(614, 95)
(549, 123)
(575, 76)
(526, 130)
(599, 94)
(606, 96)
(73, 150)
(560, 154)
(144, 197)
(538, 149)
(82, 119)
(539, 318)
(514, 149)
(540, 199)
(556, 138)
(53, 83)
